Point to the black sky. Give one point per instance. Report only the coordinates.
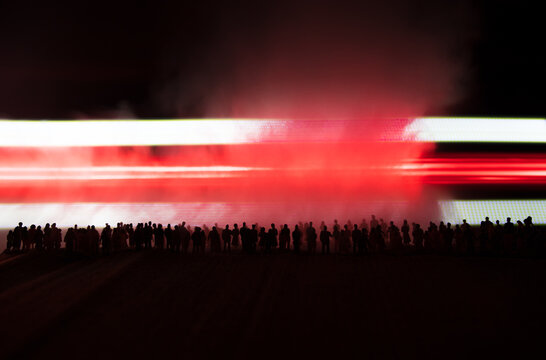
(76, 58)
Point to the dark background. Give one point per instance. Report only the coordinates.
(78, 59)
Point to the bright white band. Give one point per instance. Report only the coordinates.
(476, 130)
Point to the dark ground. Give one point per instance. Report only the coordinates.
(158, 304)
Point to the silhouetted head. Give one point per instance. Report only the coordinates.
(345, 226)
(235, 226)
(508, 219)
(356, 227)
(487, 218)
(448, 225)
(272, 226)
(227, 226)
(39, 227)
(392, 223)
(285, 226)
(253, 225)
(464, 221)
(20, 224)
(296, 227)
(326, 227)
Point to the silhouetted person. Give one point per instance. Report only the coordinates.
(29, 238)
(70, 240)
(468, 237)
(159, 237)
(177, 238)
(18, 234)
(226, 237)
(311, 238)
(284, 238)
(459, 240)
(337, 237)
(10, 241)
(296, 239)
(245, 237)
(325, 240)
(418, 237)
(262, 239)
(253, 239)
(186, 235)
(448, 237)
(345, 240)
(105, 238)
(273, 232)
(357, 238)
(57, 236)
(39, 238)
(214, 240)
(94, 237)
(235, 236)
(364, 241)
(169, 237)
(395, 239)
(405, 233)
(196, 239)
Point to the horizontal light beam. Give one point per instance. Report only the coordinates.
(476, 130)
(25, 133)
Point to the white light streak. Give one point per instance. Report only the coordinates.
(48, 133)
(476, 130)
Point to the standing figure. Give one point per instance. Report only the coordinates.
(196, 239)
(235, 236)
(272, 234)
(105, 238)
(284, 238)
(405, 233)
(226, 237)
(296, 239)
(357, 238)
(325, 240)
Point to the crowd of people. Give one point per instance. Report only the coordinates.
(520, 238)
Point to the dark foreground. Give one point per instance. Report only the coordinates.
(159, 304)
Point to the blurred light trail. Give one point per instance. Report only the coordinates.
(476, 130)
(119, 172)
(250, 168)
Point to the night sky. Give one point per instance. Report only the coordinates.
(70, 59)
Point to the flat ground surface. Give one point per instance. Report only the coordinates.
(159, 304)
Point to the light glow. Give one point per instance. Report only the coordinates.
(475, 211)
(435, 129)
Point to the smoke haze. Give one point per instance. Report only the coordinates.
(321, 59)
